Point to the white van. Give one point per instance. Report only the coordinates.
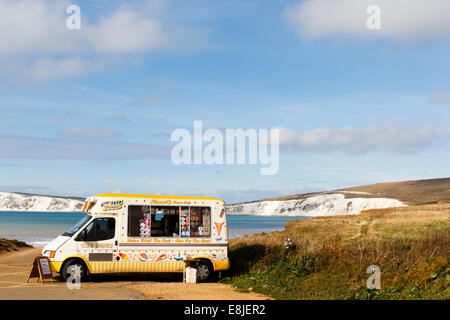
(124, 233)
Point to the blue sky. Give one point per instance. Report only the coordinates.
(91, 110)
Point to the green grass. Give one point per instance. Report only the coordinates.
(414, 262)
(289, 274)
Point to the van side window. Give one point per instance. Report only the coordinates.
(169, 221)
(100, 229)
(195, 222)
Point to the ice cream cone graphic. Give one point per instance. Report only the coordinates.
(219, 227)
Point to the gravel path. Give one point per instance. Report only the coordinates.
(14, 269)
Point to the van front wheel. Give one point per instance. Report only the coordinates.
(204, 271)
(73, 268)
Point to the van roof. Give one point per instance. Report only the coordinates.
(146, 196)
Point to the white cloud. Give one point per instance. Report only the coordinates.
(126, 31)
(39, 26)
(385, 137)
(80, 132)
(33, 26)
(35, 41)
(401, 20)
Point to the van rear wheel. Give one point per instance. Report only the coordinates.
(73, 268)
(204, 271)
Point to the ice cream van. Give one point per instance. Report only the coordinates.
(127, 233)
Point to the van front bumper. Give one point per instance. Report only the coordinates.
(55, 266)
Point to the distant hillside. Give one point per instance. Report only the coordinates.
(409, 192)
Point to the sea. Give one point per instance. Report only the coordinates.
(39, 228)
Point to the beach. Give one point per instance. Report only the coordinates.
(15, 267)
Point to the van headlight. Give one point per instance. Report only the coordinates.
(48, 253)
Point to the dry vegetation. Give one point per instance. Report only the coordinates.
(7, 245)
(411, 192)
(411, 245)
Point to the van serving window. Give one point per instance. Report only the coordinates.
(195, 222)
(169, 221)
(153, 221)
(135, 215)
(165, 221)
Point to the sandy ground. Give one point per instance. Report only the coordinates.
(15, 267)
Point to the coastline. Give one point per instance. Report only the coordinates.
(39, 228)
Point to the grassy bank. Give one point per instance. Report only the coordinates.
(330, 257)
(8, 245)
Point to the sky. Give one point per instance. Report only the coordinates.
(91, 110)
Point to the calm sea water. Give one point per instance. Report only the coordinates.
(38, 228)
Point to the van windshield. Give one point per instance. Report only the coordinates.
(77, 226)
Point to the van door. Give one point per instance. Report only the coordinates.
(97, 242)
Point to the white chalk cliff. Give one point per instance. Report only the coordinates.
(330, 204)
(326, 204)
(26, 202)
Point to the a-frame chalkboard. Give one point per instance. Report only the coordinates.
(41, 269)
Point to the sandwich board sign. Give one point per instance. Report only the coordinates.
(41, 269)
